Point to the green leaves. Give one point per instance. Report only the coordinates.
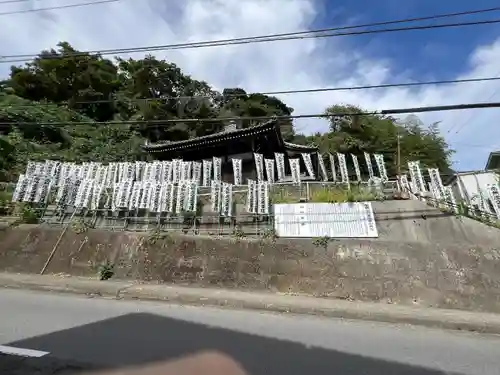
(378, 134)
(79, 93)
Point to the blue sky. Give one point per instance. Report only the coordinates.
(428, 54)
(455, 53)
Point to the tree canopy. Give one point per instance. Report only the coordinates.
(77, 106)
(378, 134)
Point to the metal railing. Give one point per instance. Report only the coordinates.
(208, 222)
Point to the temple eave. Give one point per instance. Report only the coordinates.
(300, 148)
(210, 140)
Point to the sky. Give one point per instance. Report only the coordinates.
(409, 56)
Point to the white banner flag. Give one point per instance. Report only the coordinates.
(356, 167)
(379, 160)
(252, 196)
(269, 163)
(322, 167)
(416, 176)
(344, 174)
(217, 168)
(308, 163)
(237, 171)
(332, 166)
(280, 165)
(436, 182)
(369, 165)
(207, 172)
(197, 171)
(259, 166)
(295, 170)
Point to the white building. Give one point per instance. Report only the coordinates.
(470, 185)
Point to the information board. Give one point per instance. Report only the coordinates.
(334, 220)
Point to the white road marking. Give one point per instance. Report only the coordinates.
(21, 352)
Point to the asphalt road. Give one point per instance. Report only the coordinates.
(80, 333)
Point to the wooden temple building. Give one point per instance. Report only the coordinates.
(265, 138)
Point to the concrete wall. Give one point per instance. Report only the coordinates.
(415, 221)
(423, 256)
(407, 221)
(449, 276)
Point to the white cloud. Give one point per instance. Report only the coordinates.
(266, 66)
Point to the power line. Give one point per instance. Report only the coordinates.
(12, 1)
(274, 93)
(226, 42)
(54, 7)
(323, 33)
(466, 121)
(384, 112)
(453, 107)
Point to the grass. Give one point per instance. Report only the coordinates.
(341, 195)
(282, 195)
(6, 205)
(322, 194)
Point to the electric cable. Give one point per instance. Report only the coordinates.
(318, 33)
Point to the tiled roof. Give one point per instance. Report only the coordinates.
(224, 136)
(212, 138)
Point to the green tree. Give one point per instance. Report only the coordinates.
(237, 102)
(379, 134)
(66, 75)
(59, 106)
(26, 134)
(7, 159)
(154, 89)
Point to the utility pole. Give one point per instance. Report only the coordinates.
(398, 160)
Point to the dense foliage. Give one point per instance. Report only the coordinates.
(76, 106)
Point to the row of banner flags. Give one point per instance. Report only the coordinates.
(270, 170)
(337, 161)
(136, 184)
(153, 185)
(487, 201)
(417, 186)
(145, 185)
(129, 195)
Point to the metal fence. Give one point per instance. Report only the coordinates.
(204, 221)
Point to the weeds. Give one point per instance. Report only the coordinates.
(463, 210)
(279, 195)
(325, 194)
(238, 233)
(269, 235)
(29, 215)
(6, 205)
(341, 195)
(80, 226)
(322, 241)
(156, 236)
(106, 270)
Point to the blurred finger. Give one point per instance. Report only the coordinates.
(209, 363)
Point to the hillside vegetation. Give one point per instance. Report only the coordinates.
(74, 106)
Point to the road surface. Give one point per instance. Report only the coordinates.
(70, 333)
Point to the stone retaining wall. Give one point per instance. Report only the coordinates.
(452, 276)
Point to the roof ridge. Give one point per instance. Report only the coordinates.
(208, 137)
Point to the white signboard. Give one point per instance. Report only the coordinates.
(334, 220)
